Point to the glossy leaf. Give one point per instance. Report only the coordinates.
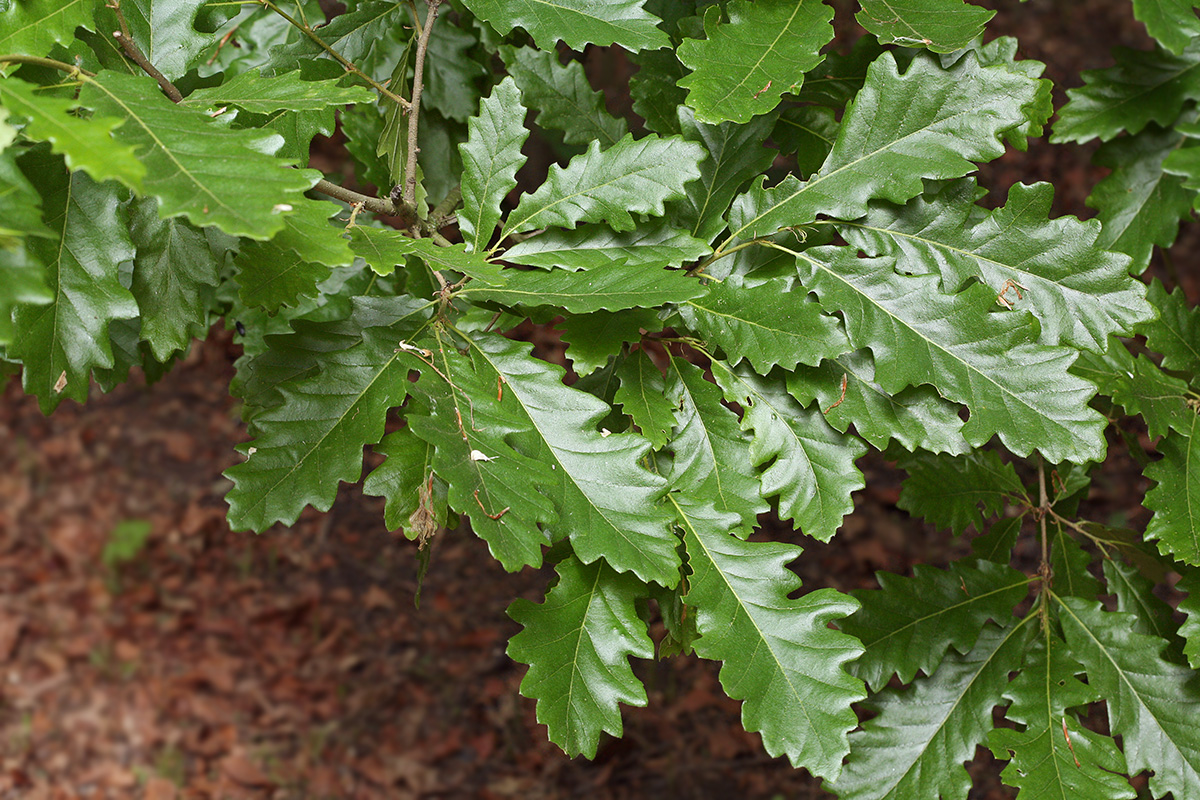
(917, 743)
(617, 287)
(1175, 501)
(384, 248)
(988, 362)
(771, 324)
(402, 478)
(576, 22)
(643, 397)
(594, 338)
(632, 176)
(1172, 22)
(924, 123)
(577, 644)
(809, 466)
(32, 27)
(939, 25)
(656, 244)
(1152, 704)
(779, 655)
(263, 94)
(353, 34)
(1079, 293)
(1176, 332)
(562, 97)
(909, 624)
(165, 32)
(491, 157)
(743, 66)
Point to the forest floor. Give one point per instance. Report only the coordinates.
(295, 664)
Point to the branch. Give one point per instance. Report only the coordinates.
(410, 169)
(378, 205)
(346, 64)
(138, 57)
(49, 63)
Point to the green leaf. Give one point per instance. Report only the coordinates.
(1069, 564)
(32, 27)
(491, 157)
(452, 72)
(656, 97)
(632, 176)
(174, 275)
(1176, 332)
(657, 244)
(909, 624)
(643, 396)
(1172, 22)
(384, 248)
(20, 205)
(1161, 399)
(772, 324)
(262, 94)
(1139, 206)
(196, 168)
(780, 656)
(577, 644)
(928, 122)
(916, 744)
(575, 22)
(809, 132)
(1054, 756)
(917, 417)
(1079, 293)
(743, 66)
(1152, 704)
(616, 287)
(939, 25)
(87, 144)
(1135, 596)
(562, 97)
(305, 446)
(809, 465)
(1140, 88)
(594, 338)
(22, 282)
(1175, 501)
(988, 362)
(62, 341)
(352, 34)
(402, 478)
(711, 453)
(735, 155)
(1190, 605)
(165, 32)
(961, 491)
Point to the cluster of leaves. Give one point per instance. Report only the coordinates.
(782, 262)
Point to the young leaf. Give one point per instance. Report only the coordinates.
(928, 122)
(643, 396)
(779, 655)
(909, 624)
(810, 466)
(917, 417)
(1139, 206)
(61, 342)
(174, 275)
(959, 492)
(261, 94)
(576, 22)
(197, 169)
(988, 362)
(657, 244)
(1053, 756)
(617, 287)
(631, 176)
(711, 453)
(577, 645)
(1172, 22)
(1176, 331)
(491, 157)
(917, 743)
(1142, 87)
(1152, 704)
(939, 25)
(305, 446)
(1175, 501)
(772, 324)
(1079, 293)
(562, 97)
(743, 66)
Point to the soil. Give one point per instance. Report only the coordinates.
(295, 664)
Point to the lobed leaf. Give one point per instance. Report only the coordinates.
(632, 176)
(575, 22)
(743, 66)
(384, 248)
(614, 288)
(562, 97)
(1190, 605)
(959, 492)
(33, 27)
(643, 397)
(262, 94)
(939, 25)
(1176, 332)
(1172, 22)
(594, 338)
(657, 244)
(577, 645)
(402, 479)
(1175, 501)
(165, 32)
(491, 157)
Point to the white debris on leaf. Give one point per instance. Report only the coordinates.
(479, 455)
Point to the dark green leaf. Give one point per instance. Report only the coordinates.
(1175, 501)
(1176, 332)
(643, 396)
(657, 244)
(1172, 22)
(562, 97)
(593, 339)
(959, 492)
(576, 22)
(263, 94)
(491, 157)
(384, 248)
(32, 27)
(939, 25)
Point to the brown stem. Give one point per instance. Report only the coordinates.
(346, 64)
(138, 57)
(378, 205)
(410, 169)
